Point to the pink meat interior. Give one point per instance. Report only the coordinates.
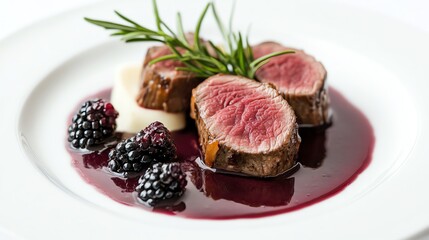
(292, 73)
(244, 114)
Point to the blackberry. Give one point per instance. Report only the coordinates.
(92, 124)
(163, 181)
(150, 145)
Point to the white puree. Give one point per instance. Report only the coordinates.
(133, 118)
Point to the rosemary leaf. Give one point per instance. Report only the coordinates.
(144, 40)
(127, 19)
(268, 56)
(198, 27)
(204, 59)
(110, 25)
(157, 17)
(180, 31)
(163, 58)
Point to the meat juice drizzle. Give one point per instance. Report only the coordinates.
(330, 159)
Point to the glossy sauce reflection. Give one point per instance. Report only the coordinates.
(330, 159)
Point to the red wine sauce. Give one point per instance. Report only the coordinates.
(330, 159)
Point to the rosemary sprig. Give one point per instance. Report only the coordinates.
(237, 59)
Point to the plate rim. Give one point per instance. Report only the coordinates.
(35, 83)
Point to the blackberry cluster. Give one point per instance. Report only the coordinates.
(152, 144)
(163, 181)
(92, 124)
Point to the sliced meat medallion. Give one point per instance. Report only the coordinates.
(300, 78)
(163, 87)
(244, 126)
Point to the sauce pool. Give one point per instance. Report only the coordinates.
(330, 159)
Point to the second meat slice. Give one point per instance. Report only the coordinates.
(300, 78)
(244, 126)
(164, 87)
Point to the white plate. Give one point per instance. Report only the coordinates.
(378, 64)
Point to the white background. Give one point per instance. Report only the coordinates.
(16, 14)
